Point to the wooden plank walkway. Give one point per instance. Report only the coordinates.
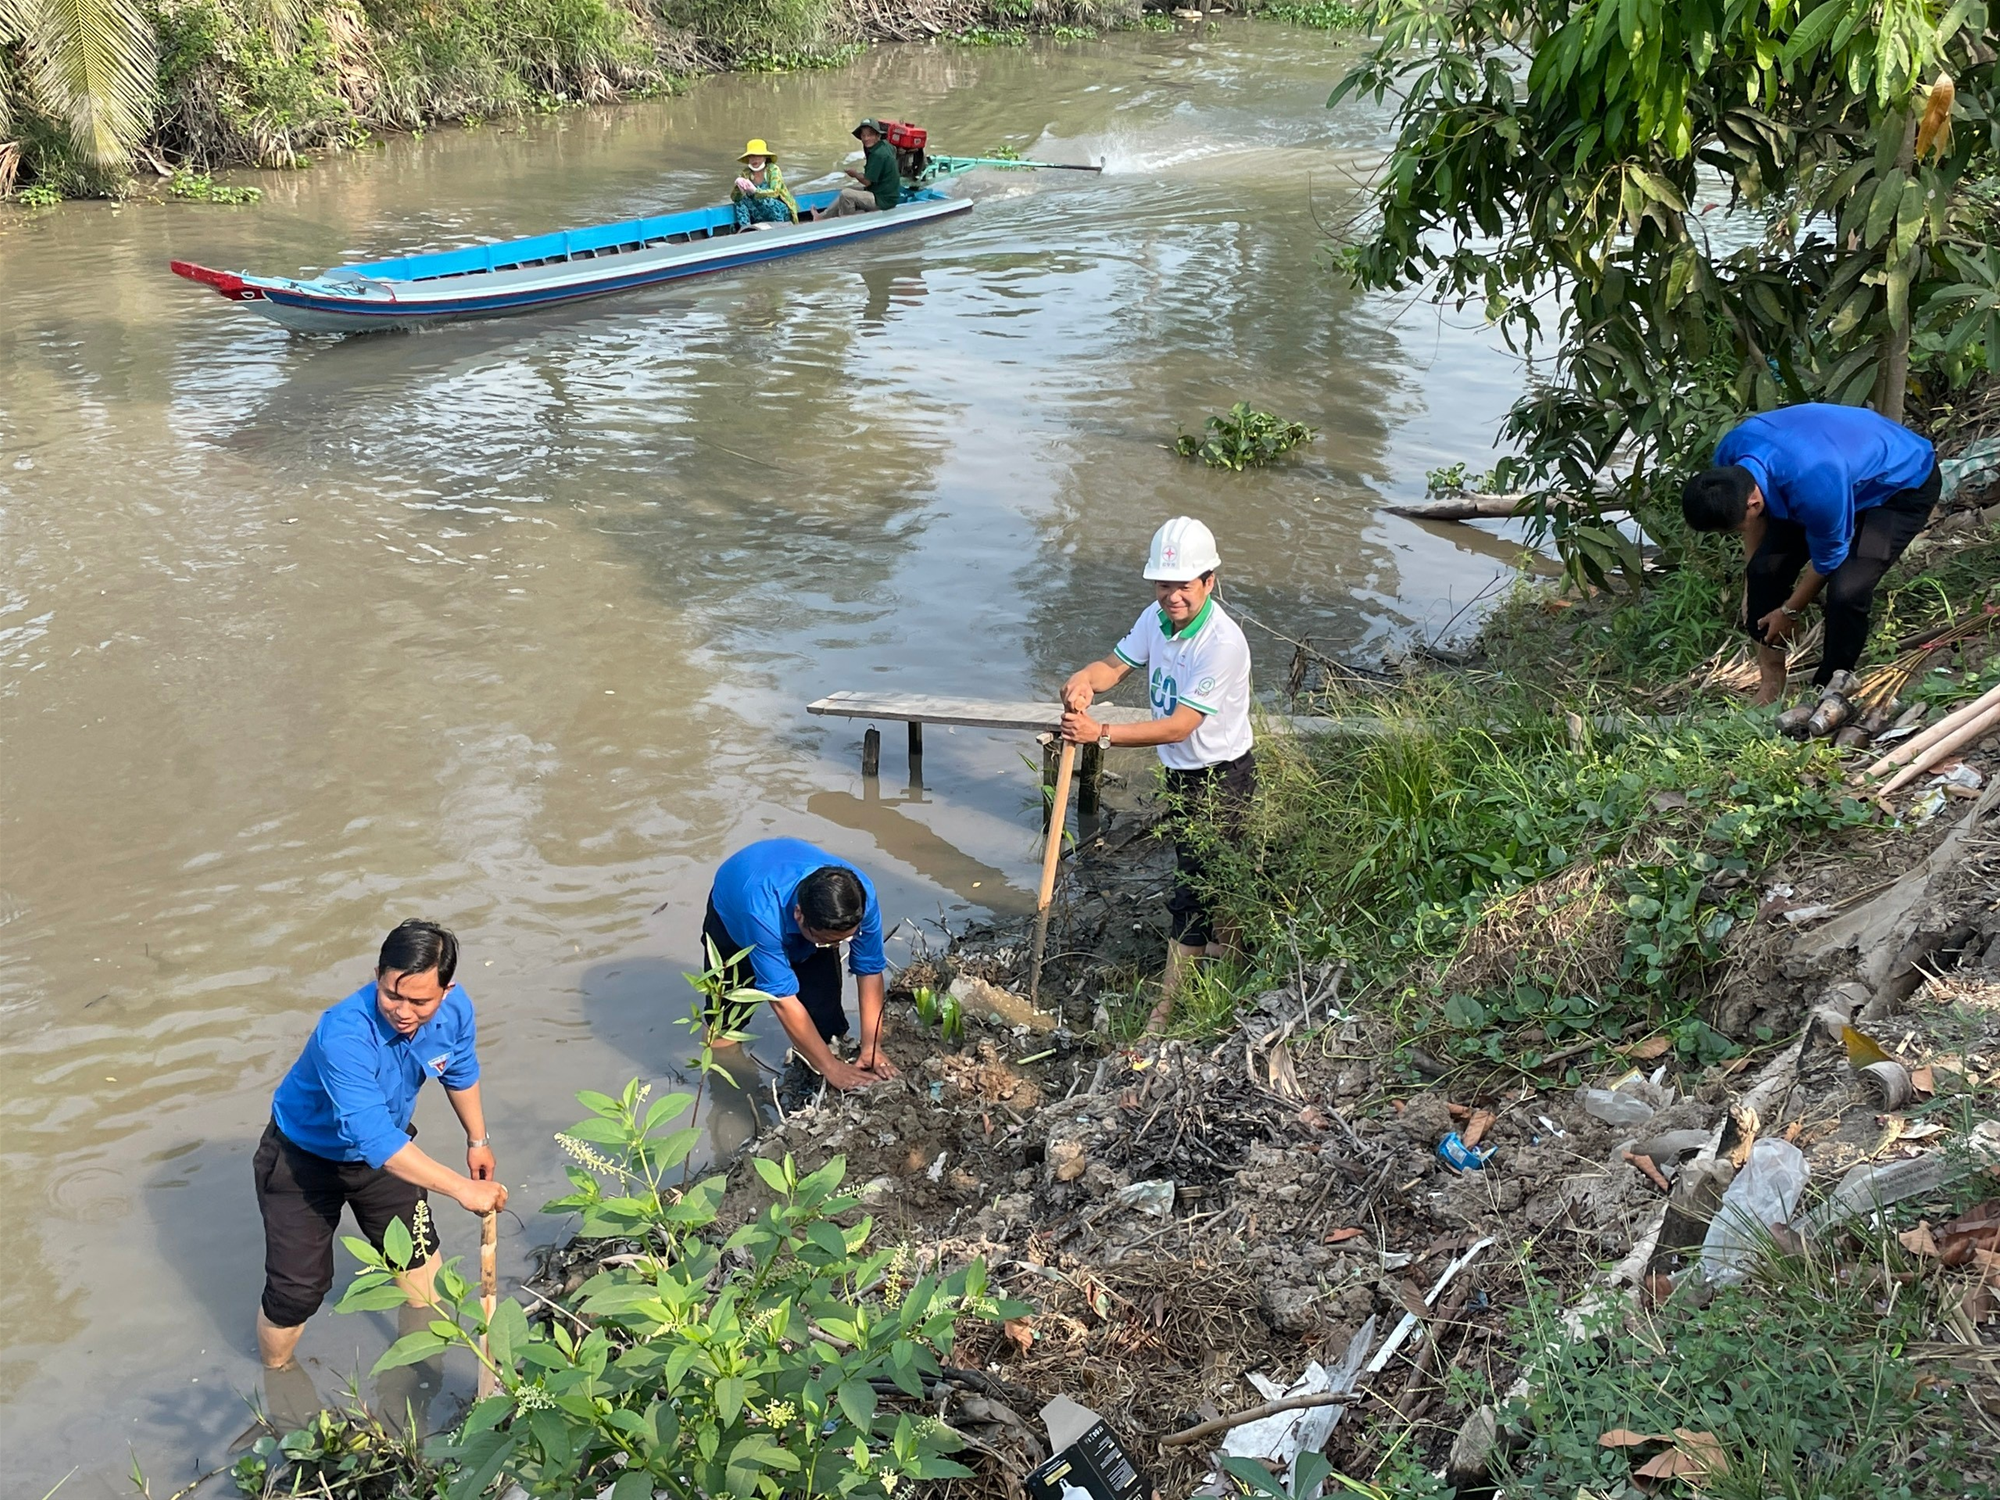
(918, 709)
(974, 713)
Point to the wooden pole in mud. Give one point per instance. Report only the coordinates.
(489, 1291)
(1090, 790)
(1058, 817)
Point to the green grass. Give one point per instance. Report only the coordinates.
(1386, 852)
(1802, 1374)
(1205, 1008)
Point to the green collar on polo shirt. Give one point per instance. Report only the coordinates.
(1193, 627)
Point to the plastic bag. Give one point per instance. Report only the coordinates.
(1615, 1107)
(1765, 1193)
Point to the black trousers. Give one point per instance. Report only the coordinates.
(818, 977)
(300, 1196)
(1218, 794)
(1881, 533)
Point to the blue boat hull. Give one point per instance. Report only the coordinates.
(517, 276)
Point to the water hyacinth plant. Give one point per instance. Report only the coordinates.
(1243, 438)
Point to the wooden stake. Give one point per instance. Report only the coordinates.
(1090, 789)
(489, 1291)
(1058, 818)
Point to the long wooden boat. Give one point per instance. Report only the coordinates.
(515, 276)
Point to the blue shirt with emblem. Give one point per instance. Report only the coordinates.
(753, 894)
(350, 1095)
(1820, 465)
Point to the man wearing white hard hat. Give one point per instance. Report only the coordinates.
(1197, 668)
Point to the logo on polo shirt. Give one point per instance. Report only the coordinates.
(439, 1063)
(1165, 693)
(1205, 686)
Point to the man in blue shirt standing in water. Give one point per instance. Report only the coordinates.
(792, 906)
(340, 1132)
(1825, 499)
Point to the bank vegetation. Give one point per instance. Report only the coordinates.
(94, 91)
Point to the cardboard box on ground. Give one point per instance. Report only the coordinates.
(1089, 1464)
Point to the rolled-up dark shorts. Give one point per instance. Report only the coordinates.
(300, 1196)
(818, 977)
(1219, 794)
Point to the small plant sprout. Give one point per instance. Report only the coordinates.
(951, 1018)
(926, 1001)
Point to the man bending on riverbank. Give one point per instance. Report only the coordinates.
(792, 906)
(1825, 499)
(340, 1132)
(880, 178)
(1197, 668)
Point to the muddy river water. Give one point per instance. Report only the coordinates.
(514, 624)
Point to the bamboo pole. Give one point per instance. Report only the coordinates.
(1058, 818)
(1919, 743)
(1972, 730)
(489, 1293)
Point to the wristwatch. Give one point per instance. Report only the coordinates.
(1104, 736)
(1788, 612)
(472, 1145)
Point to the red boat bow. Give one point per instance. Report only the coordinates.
(232, 286)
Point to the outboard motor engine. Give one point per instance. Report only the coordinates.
(909, 142)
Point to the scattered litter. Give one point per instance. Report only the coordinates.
(936, 1173)
(1671, 1145)
(1763, 1195)
(1454, 1153)
(991, 1003)
(1888, 1083)
(1812, 913)
(1155, 1197)
(1615, 1107)
(1281, 1437)
(1408, 1325)
(1962, 776)
(1089, 1460)
(1867, 1187)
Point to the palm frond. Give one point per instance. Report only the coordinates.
(91, 63)
(13, 29)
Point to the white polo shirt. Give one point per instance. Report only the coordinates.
(1206, 665)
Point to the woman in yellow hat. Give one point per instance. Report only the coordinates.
(759, 196)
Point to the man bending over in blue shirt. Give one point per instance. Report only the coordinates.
(340, 1132)
(1825, 498)
(793, 906)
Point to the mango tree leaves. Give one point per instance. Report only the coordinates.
(1570, 199)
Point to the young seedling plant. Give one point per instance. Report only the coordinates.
(762, 1366)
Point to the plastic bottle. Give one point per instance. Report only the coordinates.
(1765, 1193)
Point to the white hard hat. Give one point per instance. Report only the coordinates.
(1182, 549)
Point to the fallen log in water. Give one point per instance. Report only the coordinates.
(1464, 506)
